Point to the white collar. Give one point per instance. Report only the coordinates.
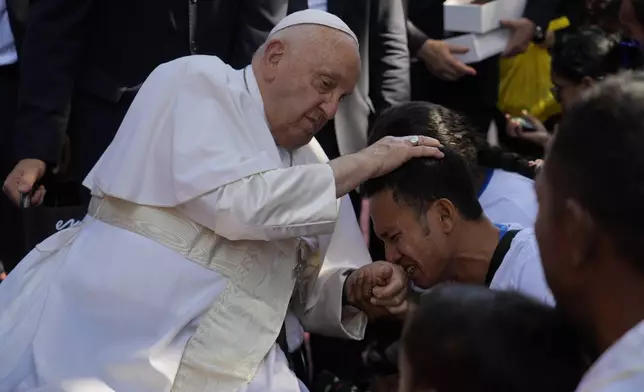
(623, 358)
(250, 83)
(251, 86)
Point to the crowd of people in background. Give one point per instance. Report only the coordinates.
(514, 245)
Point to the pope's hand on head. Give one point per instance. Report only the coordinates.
(439, 59)
(389, 153)
(378, 289)
(379, 159)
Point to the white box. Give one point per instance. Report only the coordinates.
(470, 16)
(481, 46)
(479, 16)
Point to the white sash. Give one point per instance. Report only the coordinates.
(242, 324)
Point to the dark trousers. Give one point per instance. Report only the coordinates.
(12, 248)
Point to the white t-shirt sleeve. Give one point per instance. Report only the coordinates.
(521, 269)
(504, 209)
(510, 198)
(634, 383)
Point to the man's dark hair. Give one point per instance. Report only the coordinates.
(597, 158)
(466, 338)
(451, 129)
(422, 181)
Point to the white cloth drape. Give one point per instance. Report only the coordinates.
(99, 308)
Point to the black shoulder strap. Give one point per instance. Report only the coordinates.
(499, 254)
(283, 344)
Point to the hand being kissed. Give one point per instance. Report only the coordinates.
(378, 289)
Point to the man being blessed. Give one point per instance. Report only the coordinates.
(214, 214)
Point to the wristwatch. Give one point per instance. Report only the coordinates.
(539, 35)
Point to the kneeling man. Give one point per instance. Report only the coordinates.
(428, 215)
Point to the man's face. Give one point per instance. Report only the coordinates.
(414, 242)
(307, 85)
(629, 21)
(566, 91)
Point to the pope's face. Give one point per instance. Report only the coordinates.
(307, 85)
(418, 244)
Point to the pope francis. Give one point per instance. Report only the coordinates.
(214, 217)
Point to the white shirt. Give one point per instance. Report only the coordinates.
(620, 368)
(318, 5)
(8, 54)
(521, 269)
(510, 198)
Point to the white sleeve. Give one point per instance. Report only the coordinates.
(277, 204)
(531, 279)
(323, 311)
(506, 210)
(628, 382)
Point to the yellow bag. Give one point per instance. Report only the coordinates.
(525, 81)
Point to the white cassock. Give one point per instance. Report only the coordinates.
(509, 198)
(521, 269)
(181, 275)
(620, 368)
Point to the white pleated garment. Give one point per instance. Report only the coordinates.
(98, 308)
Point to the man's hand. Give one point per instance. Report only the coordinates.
(380, 158)
(439, 59)
(378, 289)
(522, 33)
(537, 164)
(22, 180)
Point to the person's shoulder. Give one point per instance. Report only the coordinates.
(627, 383)
(524, 245)
(510, 197)
(523, 271)
(525, 237)
(206, 63)
(510, 179)
(210, 68)
(621, 367)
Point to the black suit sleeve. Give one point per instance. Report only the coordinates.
(415, 36)
(389, 55)
(257, 18)
(541, 12)
(49, 60)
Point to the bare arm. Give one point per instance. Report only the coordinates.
(300, 200)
